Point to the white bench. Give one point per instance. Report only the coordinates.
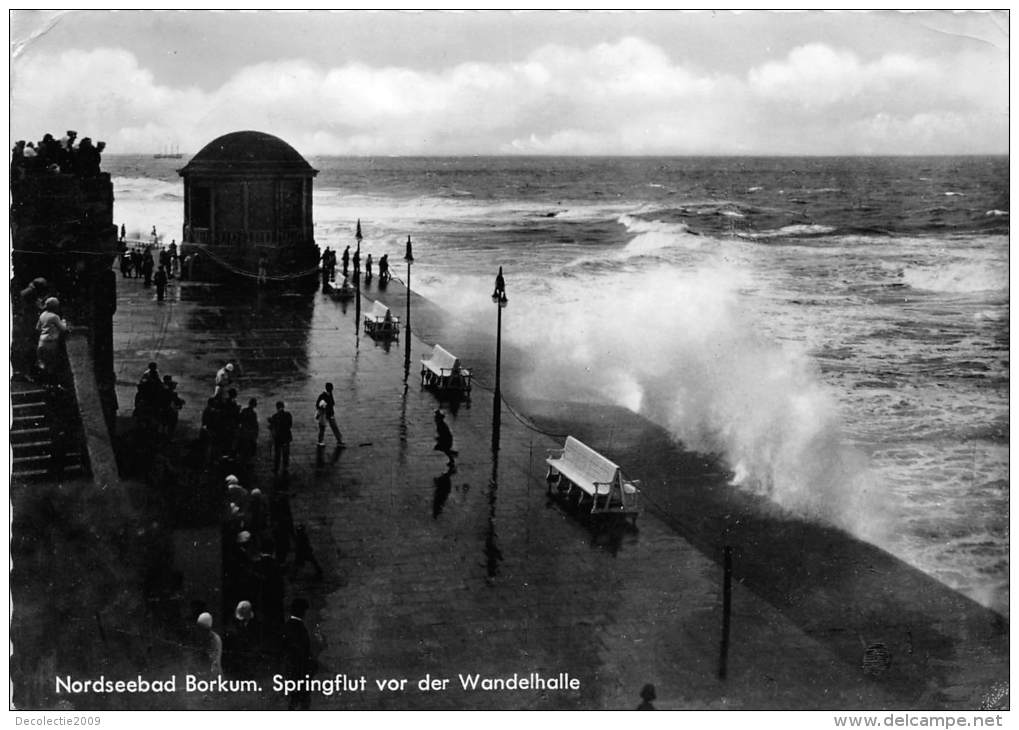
(442, 371)
(579, 469)
(380, 322)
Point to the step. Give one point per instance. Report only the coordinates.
(38, 473)
(22, 422)
(29, 448)
(29, 409)
(24, 435)
(72, 457)
(34, 395)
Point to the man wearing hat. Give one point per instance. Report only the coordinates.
(281, 425)
(242, 650)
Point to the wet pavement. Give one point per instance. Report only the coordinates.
(436, 574)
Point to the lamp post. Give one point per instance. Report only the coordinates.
(357, 284)
(409, 258)
(499, 297)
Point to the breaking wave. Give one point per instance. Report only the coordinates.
(958, 277)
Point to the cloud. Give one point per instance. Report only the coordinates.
(624, 97)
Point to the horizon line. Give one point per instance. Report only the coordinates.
(616, 156)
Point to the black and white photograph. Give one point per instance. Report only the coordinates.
(501, 360)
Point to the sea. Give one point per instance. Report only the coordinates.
(836, 329)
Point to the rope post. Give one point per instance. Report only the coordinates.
(723, 654)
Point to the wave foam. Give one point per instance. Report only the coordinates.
(141, 189)
(695, 363)
(957, 278)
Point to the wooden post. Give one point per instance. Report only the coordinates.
(723, 654)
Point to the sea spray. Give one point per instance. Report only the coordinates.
(680, 348)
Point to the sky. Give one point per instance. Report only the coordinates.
(516, 82)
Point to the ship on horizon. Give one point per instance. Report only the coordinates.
(169, 152)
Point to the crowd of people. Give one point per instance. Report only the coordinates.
(150, 262)
(56, 156)
(156, 404)
(258, 536)
(329, 262)
(262, 546)
(260, 630)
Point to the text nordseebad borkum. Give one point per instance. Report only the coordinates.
(336, 684)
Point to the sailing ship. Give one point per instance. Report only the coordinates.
(169, 153)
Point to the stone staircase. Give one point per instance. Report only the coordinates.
(35, 437)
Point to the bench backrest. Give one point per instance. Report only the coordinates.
(590, 462)
(443, 359)
(379, 311)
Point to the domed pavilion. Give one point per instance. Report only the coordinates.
(248, 195)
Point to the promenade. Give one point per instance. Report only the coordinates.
(488, 576)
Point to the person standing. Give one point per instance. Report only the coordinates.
(247, 433)
(346, 260)
(147, 266)
(325, 407)
(173, 405)
(224, 376)
(368, 268)
(242, 645)
(24, 341)
(281, 425)
(161, 281)
(231, 414)
(325, 268)
(210, 646)
(51, 329)
(444, 438)
(297, 660)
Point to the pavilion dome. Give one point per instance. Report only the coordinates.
(247, 150)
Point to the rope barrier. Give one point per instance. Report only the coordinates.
(66, 250)
(242, 272)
